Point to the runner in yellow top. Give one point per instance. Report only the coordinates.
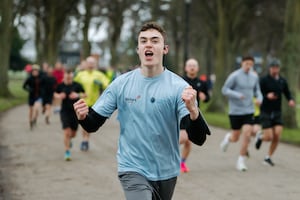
(93, 81)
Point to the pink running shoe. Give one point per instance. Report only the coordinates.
(184, 168)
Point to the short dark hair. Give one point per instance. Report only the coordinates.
(244, 58)
(155, 26)
(274, 63)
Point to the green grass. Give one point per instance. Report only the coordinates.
(221, 120)
(19, 95)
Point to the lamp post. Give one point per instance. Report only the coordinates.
(187, 27)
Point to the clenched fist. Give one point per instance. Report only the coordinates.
(189, 98)
(81, 109)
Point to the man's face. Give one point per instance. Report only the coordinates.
(90, 64)
(191, 68)
(274, 71)
(151, 48)
(35, 72)
(247, 65)
(68, 77)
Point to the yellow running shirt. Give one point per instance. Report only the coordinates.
(92, 82)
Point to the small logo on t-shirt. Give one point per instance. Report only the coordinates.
(131, 100)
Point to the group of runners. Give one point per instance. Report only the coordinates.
(253, 103)
(64, 89)
(158, 110)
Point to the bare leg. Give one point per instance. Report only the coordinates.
(256, 129)
(277, 130)
(247, 132)
(47, 112)
(67, 137)
(187, 146)
(36, 109)
(235, 135)
(183, 137)
(85, 136)
(185, 151)
(267, 134)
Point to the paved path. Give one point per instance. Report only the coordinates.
(32, 167)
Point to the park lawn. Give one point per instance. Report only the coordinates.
(221, 120)
(19, 95)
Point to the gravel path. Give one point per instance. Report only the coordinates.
(32, 166)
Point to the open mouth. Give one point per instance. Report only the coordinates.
(148, 53)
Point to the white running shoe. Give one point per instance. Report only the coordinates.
(225, 142)
(241, 166)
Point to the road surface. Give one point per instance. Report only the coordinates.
(32, 166)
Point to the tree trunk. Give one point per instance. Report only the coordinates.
(116, 23)
(290, 57)
(218, 100)
(6, 14)
(86, 46)
(39, 39)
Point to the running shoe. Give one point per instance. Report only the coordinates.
(258, 140)
(82, 146)
(67, 156)
(241, 166)
(225, 143)
(268, 161)
(184, 168)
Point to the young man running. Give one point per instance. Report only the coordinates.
(191, 77)
(272, 86)
(34, 87)
(240, 87)
(151, 102)
(68, 92)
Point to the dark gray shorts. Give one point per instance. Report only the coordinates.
(137, 187)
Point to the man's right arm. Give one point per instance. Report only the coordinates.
(92, 122)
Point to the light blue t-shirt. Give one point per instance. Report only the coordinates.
(149, 112)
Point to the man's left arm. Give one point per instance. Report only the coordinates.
(196, 126)
(196, 129)
(288, 95)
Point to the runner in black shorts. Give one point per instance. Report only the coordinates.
(237, 121)
(69, 92)
(48, 83)
(240, 88)
(273, 85)
(33, 85)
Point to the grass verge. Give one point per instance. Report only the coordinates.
(291, 136)
(19, 95)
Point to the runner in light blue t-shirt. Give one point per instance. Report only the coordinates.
(148, 142)
(151, 102)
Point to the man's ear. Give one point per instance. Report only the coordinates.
(166, 49)
(137, 50)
